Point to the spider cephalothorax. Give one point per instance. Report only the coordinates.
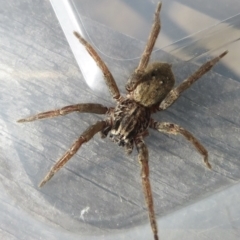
(129, 119)
(150, 88)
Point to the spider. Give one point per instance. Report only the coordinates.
(150, 88)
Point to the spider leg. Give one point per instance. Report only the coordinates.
(143, 160)
(151, 40)
(83, 107)
(85, 137)
(175, 129)
(176, 92)
(109, 80)
(137, 75)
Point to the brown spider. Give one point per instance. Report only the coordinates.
(149, 89)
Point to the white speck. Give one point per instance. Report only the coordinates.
(85, 210)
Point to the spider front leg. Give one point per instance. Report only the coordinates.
(109, 80)
(175, 93)
(85, 137)
(143, 160)
(83, 107)
(137, 75)
(175, 129)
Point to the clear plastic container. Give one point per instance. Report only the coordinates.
(98, 194)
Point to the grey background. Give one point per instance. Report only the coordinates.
(38, 72)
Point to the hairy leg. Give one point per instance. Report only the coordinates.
(143, 160)
(136, 76)
(151, 40)
(83, 107)
(175, 129)
(175, 93)
(109, 80)
(85, 137)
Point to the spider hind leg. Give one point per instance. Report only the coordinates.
(108, 77)
(175, 93)
(138, 73)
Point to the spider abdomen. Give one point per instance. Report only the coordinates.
(129, 119)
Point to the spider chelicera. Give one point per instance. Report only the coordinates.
(149, 89)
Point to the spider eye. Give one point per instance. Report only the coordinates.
(153, 74)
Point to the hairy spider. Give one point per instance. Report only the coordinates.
(149, 89)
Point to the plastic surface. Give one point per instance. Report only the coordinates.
(98, 194)
(188, 31)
